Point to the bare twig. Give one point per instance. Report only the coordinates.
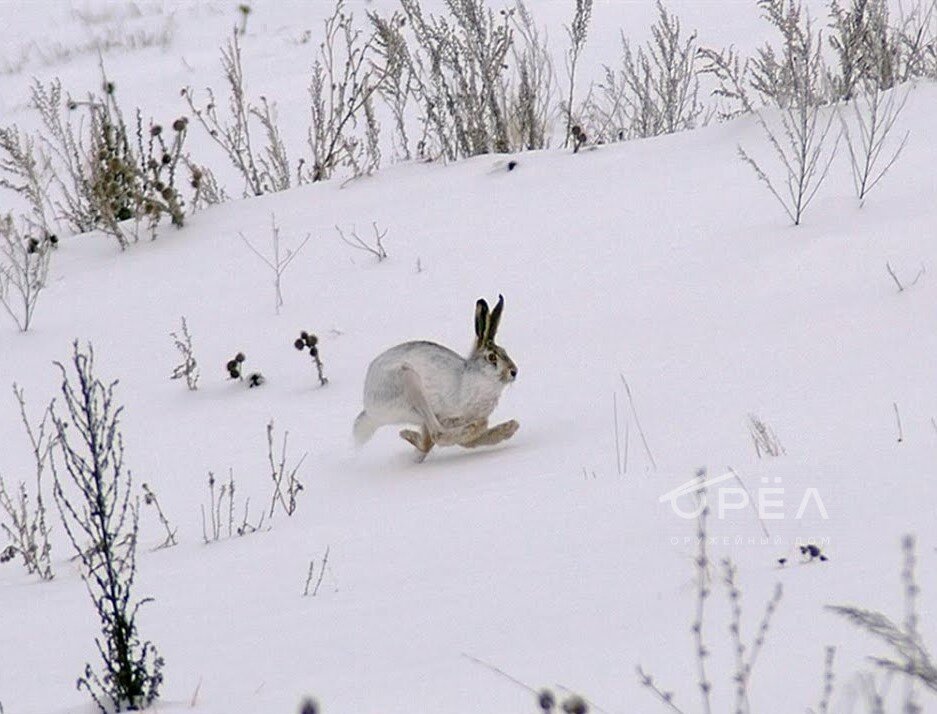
(279, 262)
(764, 625)
(188, 368)
(901, 286)
(765, 440)
(149, 498)
(751, 501)
(702, 594)
(376, 249)
(283, 480)
(617, 440)
(311, 574)
(637, 421)
(665, 697)
(824, 706)
(500, 672)
(194, 700)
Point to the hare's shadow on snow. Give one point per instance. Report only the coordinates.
(451, 456)
(394, 459)
(527, 441)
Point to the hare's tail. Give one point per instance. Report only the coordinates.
(364, 429)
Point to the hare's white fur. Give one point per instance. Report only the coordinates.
(449, 396)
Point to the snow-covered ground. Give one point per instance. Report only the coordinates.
(662, 261)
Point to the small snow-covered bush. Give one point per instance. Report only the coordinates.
(909, 655)
(93, 492)
(746, 654)
(868, 135)
(133, 172)
(188, 368)
(342, 89)
(264, 171)
(799, 131)
(24, 271)
(97, 171)
(530, 96)
(873, 47)
(478, 80)
(309, 341)
(285, 484)
(577, 32)
(654, 91)
(220, 521)
(26, 526)
(457, 70)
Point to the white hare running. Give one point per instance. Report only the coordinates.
(448, 396)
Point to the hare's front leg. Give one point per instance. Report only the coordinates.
(456, 431)
(494, 435)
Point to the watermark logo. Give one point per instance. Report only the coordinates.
(768, 500)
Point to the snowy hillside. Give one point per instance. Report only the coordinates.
(552, 556)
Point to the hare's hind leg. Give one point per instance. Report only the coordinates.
(416, 398)
(420, 439)
(494, 435)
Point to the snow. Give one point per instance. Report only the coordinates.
(660, 260)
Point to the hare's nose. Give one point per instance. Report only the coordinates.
(513, 372)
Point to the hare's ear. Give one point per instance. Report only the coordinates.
(494, 319)
(481, 322)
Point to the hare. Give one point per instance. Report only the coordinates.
(449, 397)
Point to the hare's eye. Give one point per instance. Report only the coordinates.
(493, 358)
